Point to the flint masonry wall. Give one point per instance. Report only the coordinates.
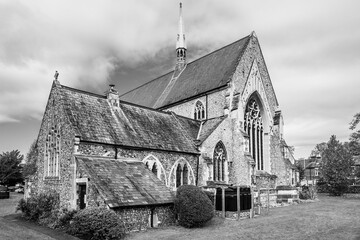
(167, 159)
(54, 114)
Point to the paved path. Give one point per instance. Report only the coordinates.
(13, 227)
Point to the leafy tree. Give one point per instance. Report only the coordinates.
(300, 168)
(354, 144)
(336, 166)
(10, 168)
(319, 149)
(30, 168)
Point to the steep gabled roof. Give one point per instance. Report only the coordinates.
(124, 182)
(94, 120)
(202, 75)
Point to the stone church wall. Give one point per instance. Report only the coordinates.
(167, 159)
(139, 218)
(278, 165)
(213, 102)
(242, 72)
(237, 166)
(62, 184)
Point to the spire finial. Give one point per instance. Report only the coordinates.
(180, 43)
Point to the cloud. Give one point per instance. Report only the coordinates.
(311, 52)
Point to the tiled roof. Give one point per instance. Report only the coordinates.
(208, 127)
(356, 160)
(202, 75)
(190, 126)
(124, 182)
(95, 120)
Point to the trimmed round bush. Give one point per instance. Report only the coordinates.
(193, 206)
(96, 223)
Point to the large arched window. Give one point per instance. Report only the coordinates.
(199, 111)
(253, 126)
(219, 162)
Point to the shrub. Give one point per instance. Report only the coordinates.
(192, 206)
(308, 192)
(96, 223)
(38, 206)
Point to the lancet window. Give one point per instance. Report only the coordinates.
(52, 152)
(253, 126)
(182, 175)
(219, 162)
(199, 111)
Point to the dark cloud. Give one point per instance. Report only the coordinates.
(311, 50)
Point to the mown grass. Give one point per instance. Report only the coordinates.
(329, 218)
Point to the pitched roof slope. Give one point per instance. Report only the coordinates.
(202, 75)
(208, 127)
(95, 120)
(124, 182)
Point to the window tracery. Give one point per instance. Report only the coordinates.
(199, 111)
(253, 126)
(52, 152)
(219, 162)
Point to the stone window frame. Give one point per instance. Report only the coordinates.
(151, 161)
(219, 162)
(52, 153)
(254, 127)
(177, 167)
(199, 110)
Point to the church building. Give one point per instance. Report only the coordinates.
(210, 122)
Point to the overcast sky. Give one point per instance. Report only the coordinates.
(311, 48)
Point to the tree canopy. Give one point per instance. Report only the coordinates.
(354, 144)
(336, 166)
(30, 168)
(10, 168)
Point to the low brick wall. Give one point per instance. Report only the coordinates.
(234, 215)
(139, 218)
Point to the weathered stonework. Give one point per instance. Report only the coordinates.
(139, 218)
(214, 104)
(61, 184)
(169, 160)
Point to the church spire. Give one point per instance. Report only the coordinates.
(181, 44)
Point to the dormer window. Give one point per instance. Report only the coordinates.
(199, 111)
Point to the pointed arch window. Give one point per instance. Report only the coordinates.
(199, 111)
(154, 169)
(185, 175)
(178, 176)
(219, 162)
(253, 126)
(52, 152)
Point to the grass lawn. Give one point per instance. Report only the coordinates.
(329, 218)
(8, 205)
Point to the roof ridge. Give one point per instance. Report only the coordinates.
(83, 91)
(144, 107)
(248, 36)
